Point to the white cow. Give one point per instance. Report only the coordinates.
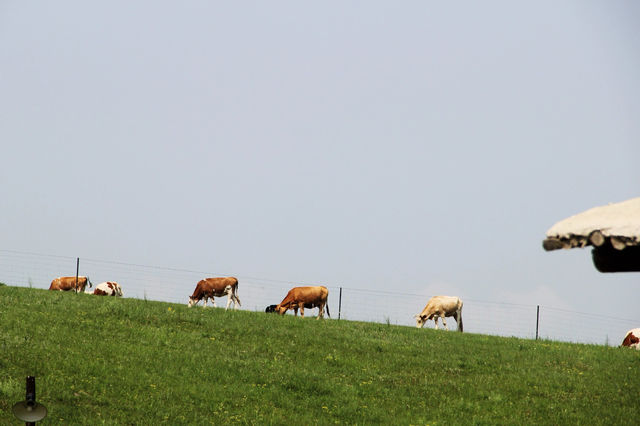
(632, 339)
(441, 307)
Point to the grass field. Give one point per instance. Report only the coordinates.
(126, 361)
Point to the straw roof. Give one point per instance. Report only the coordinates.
(613, 230)
(617, 222)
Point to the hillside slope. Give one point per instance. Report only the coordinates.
(105, 360)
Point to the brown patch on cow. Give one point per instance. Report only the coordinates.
(69, 283)
(630, 339)
(99, 292)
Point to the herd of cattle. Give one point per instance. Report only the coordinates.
(79, 284)
(298, 298)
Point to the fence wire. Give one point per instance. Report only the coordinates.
(176, 285)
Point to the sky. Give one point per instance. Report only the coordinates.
(419, 147)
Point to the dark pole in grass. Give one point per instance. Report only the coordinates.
(340, 303)
(77, 270)
(29, 411)
(537, 320)
(31, 393)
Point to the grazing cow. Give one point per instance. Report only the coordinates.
(109, 288)
(270, 308)
(305, 297)
(632, 339)
(216, 287)
(69, 283)
(441, 307)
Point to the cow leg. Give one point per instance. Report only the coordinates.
(320, 312)
(213, 301)
(236, 301)
(204, 300)
(459, 320)
(302, 310)
(444, 321)
(229, 301)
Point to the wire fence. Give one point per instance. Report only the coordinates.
(176, 285)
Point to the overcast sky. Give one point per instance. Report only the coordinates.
(415, 146)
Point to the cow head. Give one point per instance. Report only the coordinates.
(281, 309)
(270, 308)
(420, 320)
(632, 339)
(192, 302)
(117, 290)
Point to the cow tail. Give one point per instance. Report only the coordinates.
(460, 328)
(326, 305)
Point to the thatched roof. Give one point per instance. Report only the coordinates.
(613, 230)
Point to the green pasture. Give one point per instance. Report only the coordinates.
(101, 360)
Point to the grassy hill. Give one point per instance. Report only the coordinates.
(125, 361)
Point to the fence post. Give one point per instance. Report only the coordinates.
(537, 320)
(77, 270)
(340, 303)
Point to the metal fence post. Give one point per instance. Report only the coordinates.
(77, 270)
(537, 320)
(340, 304)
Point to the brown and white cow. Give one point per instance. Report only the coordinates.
(632, 339)
(69, 283)
(305, 297)
(108, 288)
(441, 307)
(209, 288)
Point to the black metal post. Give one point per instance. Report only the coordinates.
(29, 411)
(340, 303)
(77, 271)
(31, 394)
(537, 320)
